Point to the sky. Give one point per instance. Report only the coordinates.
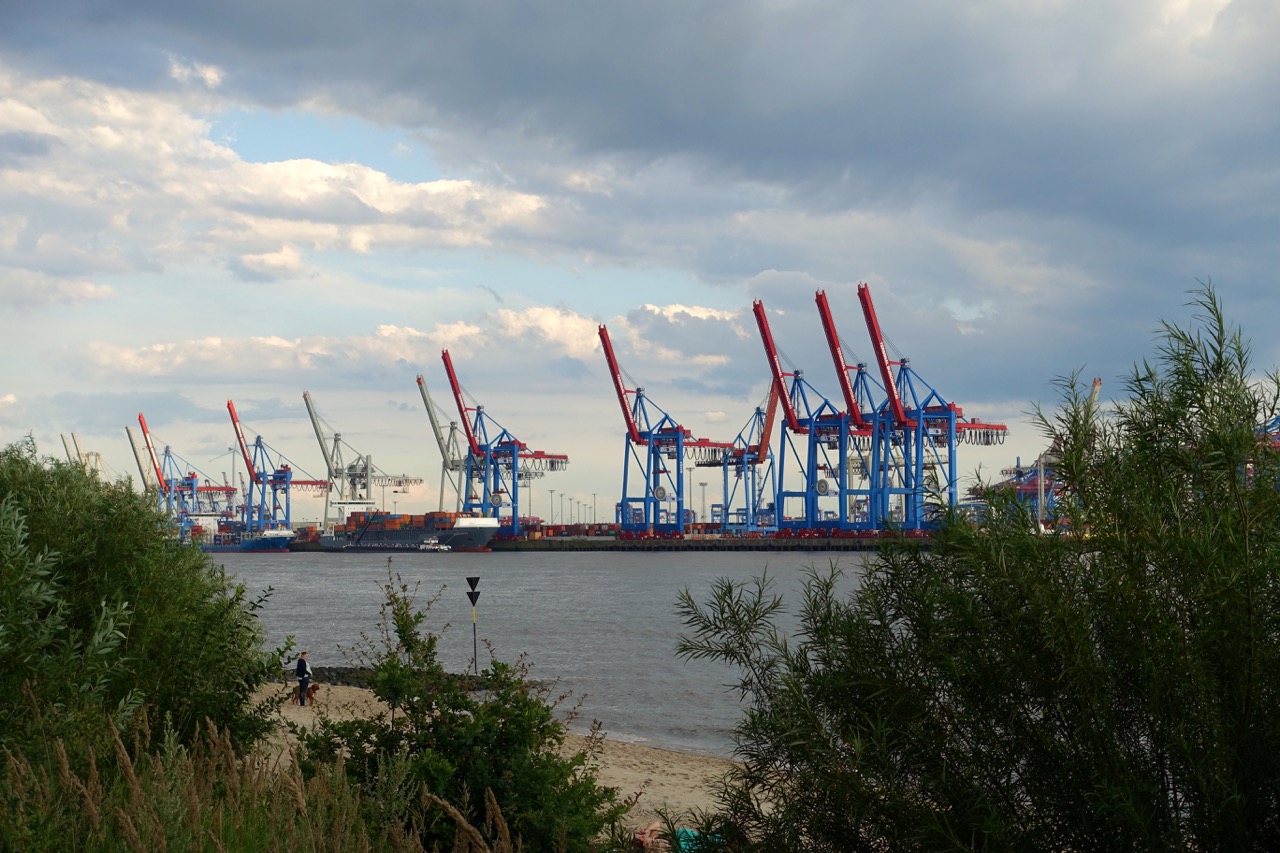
(203, 202)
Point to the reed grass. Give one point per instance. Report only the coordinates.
(157, 797)
(174, 798)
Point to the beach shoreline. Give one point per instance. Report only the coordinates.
(657, 779)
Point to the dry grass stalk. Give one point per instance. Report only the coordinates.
(72, 782)
(493, 815)
(130, 831)
(468, 839)
(126, 765)
(94, 782)
(157, 830)
(293, 780)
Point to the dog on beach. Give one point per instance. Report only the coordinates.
(311, 692)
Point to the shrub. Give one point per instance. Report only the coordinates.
(462, 741)
(99, 609)
(1112, 685)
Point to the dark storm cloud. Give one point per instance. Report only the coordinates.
(1099, 156)
(1005, 106)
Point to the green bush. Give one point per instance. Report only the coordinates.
(101, 611)
(461, 740)
(1111, 685)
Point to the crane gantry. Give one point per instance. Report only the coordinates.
(814, 444)
(453, 462)
(916, 434)
(856, 486)
(179, 495)
(749, 467)
(351, 483)
(497, 461)
(269, 481)
(656, 448)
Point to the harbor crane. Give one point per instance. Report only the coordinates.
(917, 432)
(179, 495)
(855, 487)
(749, 467)
(89, 460)
(814, 443)
(351, 483)
(148, 478)
(656, 449)
(497, 461)
(453, 462)
(269, 481)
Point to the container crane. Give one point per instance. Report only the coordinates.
(656, 448)
(351, 483)
(814, 443)
(268, 481)
(749, 466)
(453, 462)
(148, 478)
(179, 495)
(498, 461)
(916, 460)
(89, 460)
(857, 486)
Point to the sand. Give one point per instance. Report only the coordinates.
(675, 782)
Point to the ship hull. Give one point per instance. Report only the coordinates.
(451, 533)
(234, 543)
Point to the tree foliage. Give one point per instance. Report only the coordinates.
(1113, 684)
(465, 741)
(101, 612)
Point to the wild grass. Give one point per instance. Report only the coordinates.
(203, 797)
(154, 797)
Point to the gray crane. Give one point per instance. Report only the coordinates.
(351, 483)
(453, 464)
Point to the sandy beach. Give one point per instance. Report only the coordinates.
(659, 779)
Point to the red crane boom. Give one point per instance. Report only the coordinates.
(244, 447)
(882, 357)
(151, 451)
(633, 429)
(775, 367)
(467, 428)
(842, 367)
(766, 429)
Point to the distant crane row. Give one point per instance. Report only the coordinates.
(863, 468)
(888, 457)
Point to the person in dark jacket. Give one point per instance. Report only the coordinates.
(304, 677)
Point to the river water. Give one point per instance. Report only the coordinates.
(601, 625)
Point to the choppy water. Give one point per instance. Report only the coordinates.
(603, 624)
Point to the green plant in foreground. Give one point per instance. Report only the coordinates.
(460, 741)
(1112, 685)
(101, 612)
(152, 796)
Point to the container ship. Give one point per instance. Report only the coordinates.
(382, 531)
(216, 535)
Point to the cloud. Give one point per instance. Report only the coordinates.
(26, 290)
(112, 180)
(267, 266)
(565, 331)
(210, 76)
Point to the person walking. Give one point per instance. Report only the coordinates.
(304, 677)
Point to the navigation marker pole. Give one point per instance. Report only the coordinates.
(474, 594)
